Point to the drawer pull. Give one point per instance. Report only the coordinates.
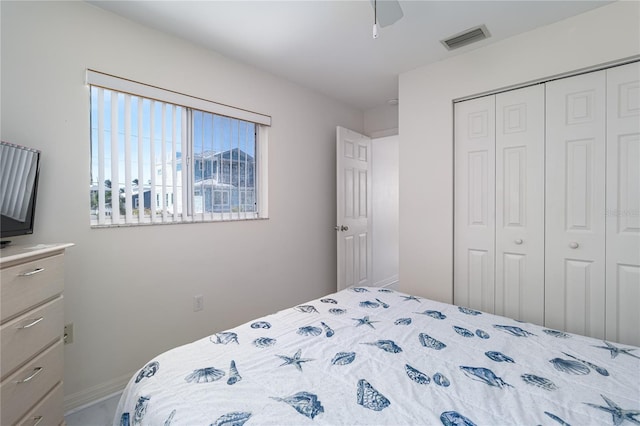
(37, 420)
(35, 271)
(32, 323)
(36, 371)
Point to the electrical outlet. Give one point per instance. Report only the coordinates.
(198, 303)
(68, 333)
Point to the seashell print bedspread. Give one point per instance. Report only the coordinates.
(371, 356)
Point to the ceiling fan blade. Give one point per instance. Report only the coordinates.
(388, 11)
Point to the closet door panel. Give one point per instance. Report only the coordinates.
(623, 204)
(520, 204)
(474, 222)
(575, 198)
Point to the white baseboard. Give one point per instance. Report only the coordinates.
(96, 394)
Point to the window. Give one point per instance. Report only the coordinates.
(172, 158)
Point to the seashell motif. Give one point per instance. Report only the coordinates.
(370, 398)
(482, 334)
(307, 309)
(141, 409)
(328, 331)
(261, 324)
(499, 357)
(416, 375)
(205, 375)
(385, 290)
(264, 342)
(468, 311)
(538, 381)
(386, 345)
(329, 300)
(556, 333)
(463, 331)
(234, 376)
(148, 371)
(364, 321)
(343, 358)
(170, 418)
(369, 304)
(402, 321)
(433, 314)
(235, 418)
(304, 403)
(441, 380)
(125, 419)
(359, 289)
(309, 330)
(484, 375)
(224, 338)
(513, 330)
(384, 305)
(337, 311)
(429, 342)
(570, 366)
(453, 418)
(557, 419)
(600, 370)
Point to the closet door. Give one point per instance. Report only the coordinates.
(623, 204)
(575, 198)
(474, 223)
(519, 276)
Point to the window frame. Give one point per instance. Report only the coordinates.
(262, 122)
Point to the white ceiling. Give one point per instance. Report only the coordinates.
(328, 46)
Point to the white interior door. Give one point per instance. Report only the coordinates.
(474, 221)
(519, 255)
(575, 199)
(353, 225)
(623, 204)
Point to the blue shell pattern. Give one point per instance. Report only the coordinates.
(423, 349)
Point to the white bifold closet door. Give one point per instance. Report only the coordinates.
(520, 204)
(575, 200)
(499, 220)
(474, 222)
(622, 213)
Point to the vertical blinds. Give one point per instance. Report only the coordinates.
(18, 168)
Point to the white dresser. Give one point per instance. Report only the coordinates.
(31, 334)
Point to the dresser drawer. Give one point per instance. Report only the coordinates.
(48, 412)
(21, 390)
(26, 335)
(28, 284)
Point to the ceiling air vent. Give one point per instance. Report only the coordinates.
(466, 37)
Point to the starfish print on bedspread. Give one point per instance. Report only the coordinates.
(294, 360)
(619, 415)
(364, 321)
(408, 298)
(615, 351)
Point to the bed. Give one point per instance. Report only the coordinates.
(374, 356)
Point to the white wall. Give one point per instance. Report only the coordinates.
(602, 35)
(381, 121)
(129, 290)
(385, 210)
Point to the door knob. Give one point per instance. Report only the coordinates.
(518, 241)
(574, 245)
(344, 228)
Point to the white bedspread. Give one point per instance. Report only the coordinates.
(369, 356)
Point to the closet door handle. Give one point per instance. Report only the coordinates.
(518, 241)
(574, 245)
